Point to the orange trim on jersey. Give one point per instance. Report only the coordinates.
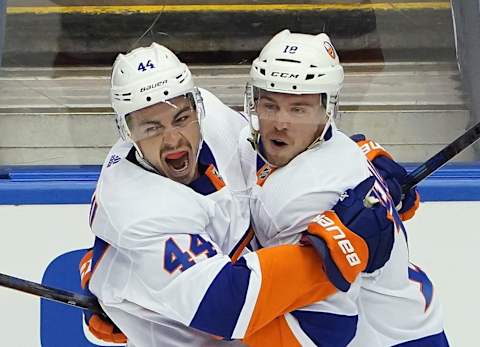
(85, 279)
(215, 177)
(372, 149)
(292, 277)
(85, 259)
(276, 333)
(249, 236)
(390, 216)
(265, 171)
(85, 268)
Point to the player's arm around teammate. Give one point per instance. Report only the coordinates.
(158, 273)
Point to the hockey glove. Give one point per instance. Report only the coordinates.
(101, 327)
(393, 174)
(352, 238)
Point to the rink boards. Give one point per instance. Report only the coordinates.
(44, 219)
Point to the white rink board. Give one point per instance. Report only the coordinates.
(443, 241)
(33, 236)
(444, 238)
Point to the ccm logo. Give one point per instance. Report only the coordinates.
(284, 75)
(339, 236)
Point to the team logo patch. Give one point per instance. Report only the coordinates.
(214, 177)
(263, 174)
(330, 50)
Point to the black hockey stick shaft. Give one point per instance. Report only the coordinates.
(441, 158)
(55, 294)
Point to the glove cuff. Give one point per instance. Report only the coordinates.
(408, 214)
(348, 251)
(105, 330)
(372, 149)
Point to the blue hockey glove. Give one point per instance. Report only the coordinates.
(393, 174)
(352, 238)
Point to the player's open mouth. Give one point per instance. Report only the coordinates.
(177, 161)
(278, 143)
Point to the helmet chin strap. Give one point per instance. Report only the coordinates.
(144, 162)
(140, 157)
(319, 140)
(255, 142)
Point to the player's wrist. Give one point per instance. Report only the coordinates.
(393, 174)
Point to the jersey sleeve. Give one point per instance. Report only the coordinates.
(275, 333)
(185, 277)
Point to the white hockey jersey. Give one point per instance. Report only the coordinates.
(165, 276)
(395, 304)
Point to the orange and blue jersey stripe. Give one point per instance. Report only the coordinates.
(325, 328)
(247, 295)
(437, 340)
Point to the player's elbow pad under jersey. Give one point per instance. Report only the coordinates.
(246, 296)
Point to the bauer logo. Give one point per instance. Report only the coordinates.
(152, 86)
(335, 232)
(62, 325)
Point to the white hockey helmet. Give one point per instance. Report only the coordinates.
(147, 76)
(295, 63)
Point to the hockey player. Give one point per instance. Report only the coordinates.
(303, 165)
(170, 215)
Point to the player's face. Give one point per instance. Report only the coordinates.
(168, 134)
(288, 124)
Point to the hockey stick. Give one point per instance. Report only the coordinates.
(441, 158)
(90, 303)
(55, 294)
